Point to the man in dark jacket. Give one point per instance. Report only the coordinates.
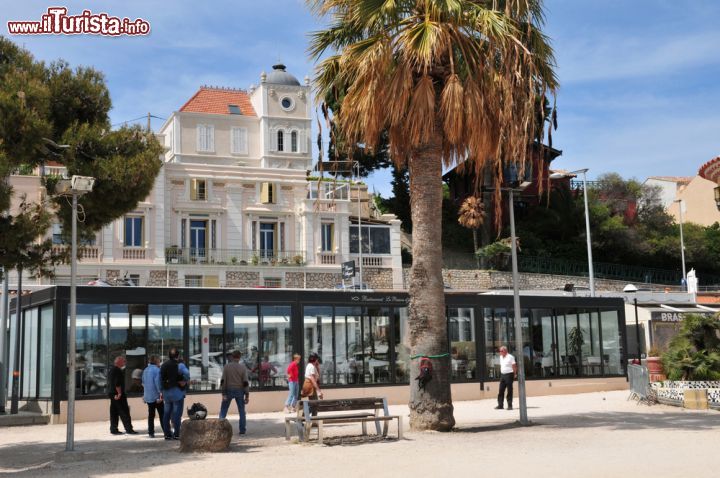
(118, 401)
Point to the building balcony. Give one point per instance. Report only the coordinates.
(234, 257)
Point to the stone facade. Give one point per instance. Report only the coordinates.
(242, 279)
(378, 278)
(159, 278)
(320, 280)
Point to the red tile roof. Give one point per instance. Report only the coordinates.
(215, 100)
(711, 170)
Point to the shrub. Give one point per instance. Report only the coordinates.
(694, 353)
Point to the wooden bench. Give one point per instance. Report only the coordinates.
(332, 412)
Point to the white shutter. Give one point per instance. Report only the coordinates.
(201, 137)
(273, 140)
(302, 142)
(211, 137)
(243, 141)
(235, 141)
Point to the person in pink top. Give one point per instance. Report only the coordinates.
(293, 385)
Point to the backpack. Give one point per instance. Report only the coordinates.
(198, 411)
(425, 374)
(169, 374)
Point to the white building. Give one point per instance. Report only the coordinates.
(234, 205)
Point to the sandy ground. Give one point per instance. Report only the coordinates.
(586, 435)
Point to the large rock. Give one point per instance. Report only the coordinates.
(213, 434)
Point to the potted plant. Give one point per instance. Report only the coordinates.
(255, 259)
(654, 363)
(575, 343)
(298, 259)
(233, 259)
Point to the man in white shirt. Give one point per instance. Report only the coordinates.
(508, 372)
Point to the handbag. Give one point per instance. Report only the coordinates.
(307, 388)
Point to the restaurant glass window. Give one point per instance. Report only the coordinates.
(543, 342)
(402, 345)
(128, 337)
(591, 357)
(611, 340)
(375, 341)
(204, 357)
(318, 338)
(567, 327)
(29, 352)
(47, 318)
(276, 345)
(348, 348)
(242, 334)
(496, 335)
(165, 329)
(461, 323)
(91, 336)
(12, 331)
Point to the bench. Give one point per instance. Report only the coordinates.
(333, 412)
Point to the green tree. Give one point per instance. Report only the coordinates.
(445, 80)
(42, 106)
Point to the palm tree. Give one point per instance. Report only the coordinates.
(472, 216)
(449, 81)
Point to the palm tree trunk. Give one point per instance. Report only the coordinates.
(430, 408)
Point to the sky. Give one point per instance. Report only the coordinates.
(638, 79)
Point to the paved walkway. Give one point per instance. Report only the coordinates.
(586, 435)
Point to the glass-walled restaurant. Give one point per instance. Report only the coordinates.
(361, 338)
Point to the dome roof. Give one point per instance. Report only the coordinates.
(281, 77)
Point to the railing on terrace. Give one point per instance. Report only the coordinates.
(239, 257)
(601, 270)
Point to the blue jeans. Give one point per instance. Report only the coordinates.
(237, 394)
(173, 409)
(293, 394)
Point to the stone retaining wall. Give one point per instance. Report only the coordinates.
(468, 279)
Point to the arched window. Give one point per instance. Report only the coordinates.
(280, 138)
(293, 142)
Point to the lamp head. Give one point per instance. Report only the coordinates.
(82, 184)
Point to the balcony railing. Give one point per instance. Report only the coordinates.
(133, 253)
(239, 257)
(328, 258)
(87, 253)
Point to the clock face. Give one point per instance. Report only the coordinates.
(286, 103)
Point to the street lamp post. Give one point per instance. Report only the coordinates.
(591, 275)
(681, 204)
(79, 186)
(3, 348)
(356, 165)
(516, 305)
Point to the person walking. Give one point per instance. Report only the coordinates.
(119, 408)
(311, 386)
(508, 372)
(173, 378)
(293, 385)
(152, 394)
(234, 385)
